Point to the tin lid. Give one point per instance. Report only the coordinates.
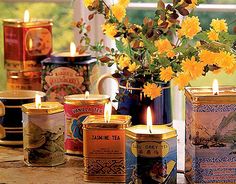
(66, 57)
(159, 132)
(116, 122)
(20, 94)
(91, 100)
(46, 108)
(205, 95)
(32, 23)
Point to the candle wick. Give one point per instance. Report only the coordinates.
(150, 130)
(215, 93)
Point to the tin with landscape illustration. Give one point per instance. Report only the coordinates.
(210, 151)
(77, 108)
(64, 75)
(43, 134)
(151, 157)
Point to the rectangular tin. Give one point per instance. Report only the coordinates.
(104, 148)
(43, 134)
(31, 42)
(151, 157)
(210, 135)
(77, 108)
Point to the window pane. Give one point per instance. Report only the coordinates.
(61, 13)
(205, 1)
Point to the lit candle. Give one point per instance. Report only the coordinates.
(43, 133)
(151, 149)
(77, 108)
(31, 40)
(107, 112)
(210, 134)
(104, 143)
(38, 103)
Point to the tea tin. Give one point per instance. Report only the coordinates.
(77, 108)
(43, 134)
(11, 116)
(104, 148)
(64, 75)
(151, 157)
(31, 42)
(210, 135)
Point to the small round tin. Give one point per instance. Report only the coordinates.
(77, 108)
(43, 130)
(11, 115)
(64, 75)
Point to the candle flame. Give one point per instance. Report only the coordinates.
(86, 95)
(149, 119)
(215, 87)
(107, 112)
(72, 49)
(26, 16)
(38, 103)
(30, 44)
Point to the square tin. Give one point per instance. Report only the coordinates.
(151, 157)
(210, 152)
(104, 148)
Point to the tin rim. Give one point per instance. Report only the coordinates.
(20, 94)
(80, 99)
(21, 23)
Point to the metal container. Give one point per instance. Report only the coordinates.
(151, 157)
(77, 108)
(104, 148)
(210, 135)
(64, 75)
(17, 80)
(43, 130)
(30, 41)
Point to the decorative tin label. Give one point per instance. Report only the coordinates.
(210, 143)
(75, 114)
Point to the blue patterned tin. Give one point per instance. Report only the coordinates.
(151, 157)
(210, 135)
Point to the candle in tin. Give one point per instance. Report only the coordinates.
(151, 154)
(31, 40)
(104, 148)
(43, 133)
(68, 73)
(77, 108)
(210, 134)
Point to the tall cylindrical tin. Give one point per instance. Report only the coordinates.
(104, 148)
(31, 42)
(43, 137)
(77, 108)
(68, 75)
(151, 157)
(11, 115)
(210, 135)
(22, 80)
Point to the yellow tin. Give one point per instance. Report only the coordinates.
(104, 148)
(43, 134)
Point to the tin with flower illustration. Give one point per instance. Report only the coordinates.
(77, 108)
(43, 134)
(151, 157)
(30, 41)
(64, 75)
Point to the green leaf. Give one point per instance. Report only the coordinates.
(150, 46)
(119, 46)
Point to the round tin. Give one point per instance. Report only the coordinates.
(23, 80)
(43, 130)
(64, 75)
(77, 108)
(11, 115)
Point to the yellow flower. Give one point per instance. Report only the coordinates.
(189, 27)
(163, 45)
(190, 6)
(181, 80)
(123, 61)
(166, 74)
(231, 70)
(133, 67)
(225, 60)
(109, 30)
(170, 54)
(207, 57)
(125, 41)
(123, 2)
(219, 25)
(152, 90)
(192, 67)
(88, 3)
(213, 35)
(118, 11)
